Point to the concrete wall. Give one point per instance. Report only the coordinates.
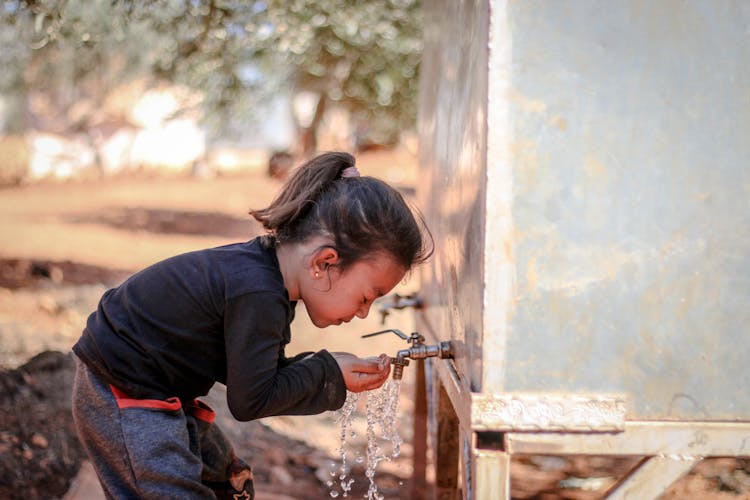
(588, 187)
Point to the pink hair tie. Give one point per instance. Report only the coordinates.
(350, 172)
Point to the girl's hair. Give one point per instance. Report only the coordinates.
(361, 215)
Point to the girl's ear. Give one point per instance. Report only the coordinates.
(322, 259)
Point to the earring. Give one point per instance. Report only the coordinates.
(317, 274)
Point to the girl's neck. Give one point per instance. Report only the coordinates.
(289, 264)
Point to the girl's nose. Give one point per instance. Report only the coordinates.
(364, 310)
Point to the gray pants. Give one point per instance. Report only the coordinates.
(145, 449)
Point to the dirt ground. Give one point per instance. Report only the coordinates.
(63, 244)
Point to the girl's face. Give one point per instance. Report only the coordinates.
(333, 297)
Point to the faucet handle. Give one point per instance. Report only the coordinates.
(391, 330)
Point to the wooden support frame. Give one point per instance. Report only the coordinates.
(650, 478)
(482, 472)
(491, 477)
(676, 440)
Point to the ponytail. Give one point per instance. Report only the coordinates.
(361, 215)
(301, 192)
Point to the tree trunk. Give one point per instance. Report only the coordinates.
(308, 139)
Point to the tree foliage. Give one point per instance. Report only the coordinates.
(363, 56)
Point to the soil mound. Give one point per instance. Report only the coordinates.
(39, 450)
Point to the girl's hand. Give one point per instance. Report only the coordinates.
(363, 374)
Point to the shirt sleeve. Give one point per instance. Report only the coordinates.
(260, 383)
(283, 361)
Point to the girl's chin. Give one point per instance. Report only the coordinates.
(321, 323)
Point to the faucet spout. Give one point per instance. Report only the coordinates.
(418, 350)
(398, 364)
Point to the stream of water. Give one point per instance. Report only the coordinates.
(381, 413)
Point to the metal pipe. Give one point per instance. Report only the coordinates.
(441, 350)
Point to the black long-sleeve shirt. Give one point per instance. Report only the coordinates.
(215, 315)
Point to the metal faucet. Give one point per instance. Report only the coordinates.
(418, 350)
(396, 301)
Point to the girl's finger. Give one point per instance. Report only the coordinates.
(367, 379)
(367, 366)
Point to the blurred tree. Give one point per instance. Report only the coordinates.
(63, 59)
(363, 56)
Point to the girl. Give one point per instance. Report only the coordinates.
(335, 241)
